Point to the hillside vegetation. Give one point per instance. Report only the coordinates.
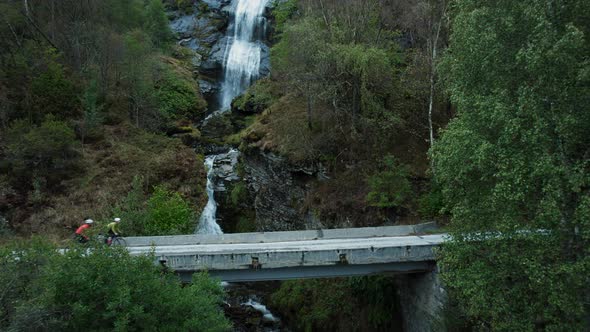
(366, 88)
(88, 93)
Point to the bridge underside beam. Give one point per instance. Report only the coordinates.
(303, 272)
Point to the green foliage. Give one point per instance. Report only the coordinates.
(156, 24)
(53, 92)
(256, 99)
(44, 151)
(335, 304)
(203, 7)
(184, 5)
(124, 15)
(516, 158)
(431, 204)
(132, 209)
(92, 118)
(379, 296)
(246, 224)
(282, 12)
(168, 214)
(21, 264)
(238, 194)
(163, 213)
(390, 188)
(333, 64)
(178, 97)
(316, 302)
(98, 290)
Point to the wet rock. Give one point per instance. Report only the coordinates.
(212, 38)
(215, 149)
(207, 87)
(279, 189)
(215, 58)
(225, 166)
(183, 26)
(216, 4)
(264, 60)
(196, 60)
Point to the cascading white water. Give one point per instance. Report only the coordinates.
(242, 57)
(207, 222)
(266, 314)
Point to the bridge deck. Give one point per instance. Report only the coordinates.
(278, 257)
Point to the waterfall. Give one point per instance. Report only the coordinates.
(207, 222)
(242, 57)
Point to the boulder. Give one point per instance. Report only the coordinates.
(183, 26)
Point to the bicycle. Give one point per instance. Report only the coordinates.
(117, 240)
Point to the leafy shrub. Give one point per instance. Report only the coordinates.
(47, 150)
(53, 92)
(99, 290)
(391, 187)
(256, 99)
(177, 97)
(92, 117)
(246, 224)
(132, 209)
(282, 12)
(431, 204)
(168, 213)
(334, 304)
(238, 194)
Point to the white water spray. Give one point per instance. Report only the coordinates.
(242, 59)
(266, 314)
(207, 222)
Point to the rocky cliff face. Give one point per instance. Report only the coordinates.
(278, 189)
(266, 188)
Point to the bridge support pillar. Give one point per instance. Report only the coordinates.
(422, 299)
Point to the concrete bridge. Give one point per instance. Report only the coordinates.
(297, 254)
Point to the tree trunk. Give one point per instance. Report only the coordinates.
(433, 45)
(309, 110)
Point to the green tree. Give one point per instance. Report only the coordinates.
(168, 213)
(516, 159)
(98, 290)
(53, 92)
(156, 24)
(390, 187)
(46, 151)
(132, 209)
(92, 118)
(139, 80)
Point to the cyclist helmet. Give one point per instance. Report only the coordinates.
(88, 221)
(117, 219)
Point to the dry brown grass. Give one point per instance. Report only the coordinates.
(109, 168)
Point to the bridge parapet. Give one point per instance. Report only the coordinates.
(285, 236)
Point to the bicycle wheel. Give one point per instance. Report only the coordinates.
(119, 241)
